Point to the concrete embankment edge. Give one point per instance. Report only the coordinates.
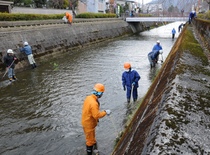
(57, 37)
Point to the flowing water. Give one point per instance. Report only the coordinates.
(40, 113)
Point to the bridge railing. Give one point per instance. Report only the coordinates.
(156, 19)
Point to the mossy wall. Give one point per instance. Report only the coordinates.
(203, 28)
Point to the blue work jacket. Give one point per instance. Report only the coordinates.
(157, 47)
(129, 77)
(27, 49)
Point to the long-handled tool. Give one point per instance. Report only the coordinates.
(131, 96)
(8, 69)
(119, 134)
(110, 117)
(162, 58)
(132, 91)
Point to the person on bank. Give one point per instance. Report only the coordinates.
(90, 116)
(180, 27)
(69, 18)
(9, 61)
(153, 57)
(28, 51)
(192, 15)
(173, 33)
(130, 80)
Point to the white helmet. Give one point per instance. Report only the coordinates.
(25, 43)
(10, 51)
(158, 41)
(161, 51)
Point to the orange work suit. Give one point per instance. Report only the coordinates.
(69, 17)
(90, 116)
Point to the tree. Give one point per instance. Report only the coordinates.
(170, 9)
(28, 2)
(39, 3)
(17, 1)
(73, 4)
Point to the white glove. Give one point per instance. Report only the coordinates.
(108, 112)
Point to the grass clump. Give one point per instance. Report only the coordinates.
(96, 15)
(21, 17)
(190, 44)
(204, 15)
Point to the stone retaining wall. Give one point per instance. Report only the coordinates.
(56, 36)
(203, 28)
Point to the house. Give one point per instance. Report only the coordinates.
(93, 6)
(5, 6)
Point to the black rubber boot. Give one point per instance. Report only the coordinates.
(89, 150)
(14, 77)
(34, 65)
(95, 147)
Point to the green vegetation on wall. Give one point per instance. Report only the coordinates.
(189, 43)
(96, 15)
(18, 17)
(204, 15)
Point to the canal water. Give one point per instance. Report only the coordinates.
(40, 113)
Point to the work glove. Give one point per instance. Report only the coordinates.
(108, 112)
(124, 88)
(133, 83)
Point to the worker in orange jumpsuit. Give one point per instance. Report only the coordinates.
(91, 115)
(68, 17)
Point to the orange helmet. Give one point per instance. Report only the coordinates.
(127, 65)
(99, 87)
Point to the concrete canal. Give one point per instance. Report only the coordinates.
(40, 112)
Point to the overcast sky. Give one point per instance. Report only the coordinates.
(146, 1)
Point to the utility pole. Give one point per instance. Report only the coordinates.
(142, 5)
(198, 6)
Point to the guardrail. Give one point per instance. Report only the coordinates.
(156, 19)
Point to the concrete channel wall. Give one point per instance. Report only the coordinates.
(164, 110)
(53, 36)
(203, 28)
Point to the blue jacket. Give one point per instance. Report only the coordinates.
(154, 54)
(173, 31)
(192, 14)
(157, 47)
(129, 77)
(27, 49)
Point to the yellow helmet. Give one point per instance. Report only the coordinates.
(127, 65)
(99, 87)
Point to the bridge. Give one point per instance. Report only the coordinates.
(156, 19)
(139, 24)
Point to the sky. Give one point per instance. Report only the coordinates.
(146, 1)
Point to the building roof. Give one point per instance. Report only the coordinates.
(6, 3)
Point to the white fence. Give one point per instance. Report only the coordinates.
(156, 19)
(38, 10)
